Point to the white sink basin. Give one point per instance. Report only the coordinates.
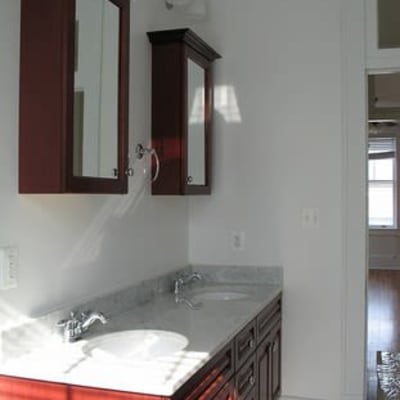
(218, 295)
(135, 345)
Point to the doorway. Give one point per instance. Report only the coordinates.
(383, 343)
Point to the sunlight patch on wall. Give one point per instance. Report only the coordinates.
(225, 102)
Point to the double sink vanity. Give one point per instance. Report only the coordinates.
(210, 339)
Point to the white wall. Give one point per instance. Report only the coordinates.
(285, 61)
(77, 246)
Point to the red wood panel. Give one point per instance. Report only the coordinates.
(82, 393)
(26, 389)
(43, 79)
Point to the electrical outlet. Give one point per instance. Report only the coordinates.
(8, 267)
(310, 218)
(238, 240)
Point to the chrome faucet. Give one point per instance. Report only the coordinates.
(75, 326)
(183, 280)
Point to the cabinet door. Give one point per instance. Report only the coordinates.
(26, 389)
(263, 369)
(182, 108)
(276, 361)
(82, 393)
(61, 149)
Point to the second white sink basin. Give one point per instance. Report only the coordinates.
(218, 295)
(135, 345)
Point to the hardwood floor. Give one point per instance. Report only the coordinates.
(383, 319)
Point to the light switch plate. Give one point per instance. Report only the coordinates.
(8, 267)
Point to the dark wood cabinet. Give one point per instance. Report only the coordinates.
(182, 109)
(269, 352)
(55, 119)
(247, 368)
(264, 369)
(211, 379)
(275, 366)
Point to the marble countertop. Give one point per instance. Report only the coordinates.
(207, 330)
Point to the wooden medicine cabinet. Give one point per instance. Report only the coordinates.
(182, 108)
(74, 96)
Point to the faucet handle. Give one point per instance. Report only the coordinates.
(84, 315)
(66, 321)
(61, 323)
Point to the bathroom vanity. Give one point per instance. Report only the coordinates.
(232, 352)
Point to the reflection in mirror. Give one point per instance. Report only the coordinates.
(196, 125)
(96, 89)
(388, 24)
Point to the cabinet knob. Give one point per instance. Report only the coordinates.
(252, 380)
(189, 179)
(251, 343)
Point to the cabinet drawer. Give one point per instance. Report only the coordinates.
(245, 343)
(210, 379)
(268, 318)
(246, 379)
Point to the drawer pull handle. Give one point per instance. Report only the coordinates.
(252, 380)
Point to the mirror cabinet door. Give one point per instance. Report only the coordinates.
(196, 137)
(74, 70)
(96, 89)
(182, 108)
(100, 76)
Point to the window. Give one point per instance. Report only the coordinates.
(382, 183)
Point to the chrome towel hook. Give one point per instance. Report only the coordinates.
(141, 151)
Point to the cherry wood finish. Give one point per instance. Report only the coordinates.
(171, 51)
(46, 100)
(25, 389)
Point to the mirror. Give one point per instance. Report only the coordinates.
(96, 89)
(196, 157)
